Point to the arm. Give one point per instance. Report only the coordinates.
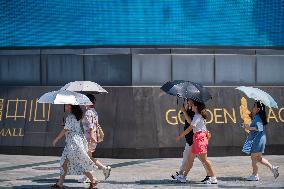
(252, 128)
(248, 127)
(184, 133)
(59, 136)
(192, 125)
(186, 116)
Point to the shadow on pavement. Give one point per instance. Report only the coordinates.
(239, 186)
(160, 182)
(40, 187)
(46, 168)
(170, 182)
(147, 182)
(231, 179)
(53, 181)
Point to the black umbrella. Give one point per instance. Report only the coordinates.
(187, 90)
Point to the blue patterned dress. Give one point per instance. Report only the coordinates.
(257, 138)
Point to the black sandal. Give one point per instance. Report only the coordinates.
(93, 185)
(57, 186)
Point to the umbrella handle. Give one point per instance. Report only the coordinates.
(177, 101)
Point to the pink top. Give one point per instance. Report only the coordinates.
(89, 121)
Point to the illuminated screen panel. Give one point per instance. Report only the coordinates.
(32, 23)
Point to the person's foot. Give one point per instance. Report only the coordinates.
(211, 180)
(56, 186)
(174, 176)
(205, 179)
(107, 171)
(93, 185)
(253, 178)
(275, 171)
(181, 179)
(84, 179)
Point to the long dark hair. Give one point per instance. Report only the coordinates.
(201, 108)
(262, 112)
(77, 112)
(91, 97)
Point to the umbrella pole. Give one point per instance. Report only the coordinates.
(177, 101)
(178, 130)
(63, 120)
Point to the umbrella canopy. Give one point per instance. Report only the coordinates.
(187, 89)
(259, 95)
(64, 97)
(84, 86)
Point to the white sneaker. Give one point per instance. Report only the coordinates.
(211, 180)
(174, 176)
(275, 171)
(84, 179)
(253, 178)
(107, 171)
(181, 178)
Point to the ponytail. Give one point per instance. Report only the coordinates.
(204, 114)
(201, 108)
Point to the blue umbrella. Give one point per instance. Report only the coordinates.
(259, 95)
(186, 90)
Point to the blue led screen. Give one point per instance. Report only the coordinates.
(35, 23)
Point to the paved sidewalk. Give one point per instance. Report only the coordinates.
(41, 171)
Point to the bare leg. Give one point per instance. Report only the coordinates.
(254, 160)
(97, 162)
(90, 177)
(266, 163)
(205, 161)
(62, 177)
(258, 158)
(189, 163)
(203, 166)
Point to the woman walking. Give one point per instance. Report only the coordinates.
(200, 143)
(90, 122)
(256, 141)
(75, 159)
(189, 114)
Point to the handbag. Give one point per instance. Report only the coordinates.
(100, 133)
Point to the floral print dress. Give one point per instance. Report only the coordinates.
(75, 150)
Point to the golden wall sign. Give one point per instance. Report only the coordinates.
(12, 132)
(225, 116)
(30, 110)
(22, 109)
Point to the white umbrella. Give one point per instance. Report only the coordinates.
(64, 97)
(84, 86)
(259, 95)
